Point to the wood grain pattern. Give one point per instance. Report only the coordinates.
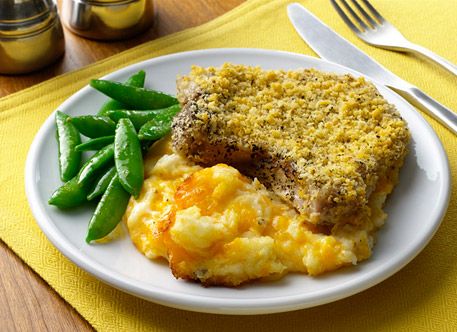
(27, 302)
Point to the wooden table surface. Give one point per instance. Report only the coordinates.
(27, 302)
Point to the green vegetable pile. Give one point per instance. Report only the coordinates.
(125, 126)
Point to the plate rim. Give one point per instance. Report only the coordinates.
(200, 303)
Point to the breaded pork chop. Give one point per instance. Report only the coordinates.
(321, 141)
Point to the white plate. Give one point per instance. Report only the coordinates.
(415, 208)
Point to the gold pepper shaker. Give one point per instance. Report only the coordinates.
(107, 19)
(31, 36)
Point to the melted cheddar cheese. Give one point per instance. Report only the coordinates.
(219, 227)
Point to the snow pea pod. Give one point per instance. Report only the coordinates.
(95, 143)
(94, 126)
(75, 191)
(67, 139)
(132, 97)
(154, 130)
(96, 163)
(159, 126)
(128, 157)
(145, 145)
(102, 184)
(136, 79)
(109, 211)
(70, 194)
(139, 118)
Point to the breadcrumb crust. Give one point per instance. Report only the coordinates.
(322, 141)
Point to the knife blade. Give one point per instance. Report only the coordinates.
(332, 47)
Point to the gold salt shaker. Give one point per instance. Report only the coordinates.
(107, 19)
(31, 36)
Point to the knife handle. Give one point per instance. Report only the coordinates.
(430, 106)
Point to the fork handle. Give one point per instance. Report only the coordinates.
(446, 64)
(430, 106)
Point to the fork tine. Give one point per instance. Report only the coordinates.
(354, 15)
(374, 12)
(345, 18)
(364, 13)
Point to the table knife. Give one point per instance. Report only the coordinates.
(332, 47)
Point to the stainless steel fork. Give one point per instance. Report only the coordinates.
(375, 30)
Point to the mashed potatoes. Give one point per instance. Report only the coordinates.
(219, 227)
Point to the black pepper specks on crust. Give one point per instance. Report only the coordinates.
(321, 141)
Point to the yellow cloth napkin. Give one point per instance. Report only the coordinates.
(421, 297)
